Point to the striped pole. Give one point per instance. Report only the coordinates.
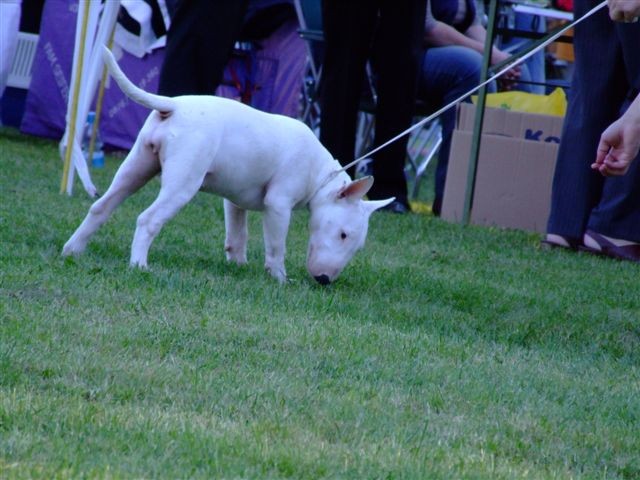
(71, 138)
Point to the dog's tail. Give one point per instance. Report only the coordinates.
(164, 105)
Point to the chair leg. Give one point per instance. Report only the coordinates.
(428, 142)
(364, 133)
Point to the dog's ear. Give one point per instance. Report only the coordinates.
(356, 189)
(374, 205)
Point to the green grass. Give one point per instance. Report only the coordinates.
(441, 352)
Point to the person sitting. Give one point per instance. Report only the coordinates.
(451, 66)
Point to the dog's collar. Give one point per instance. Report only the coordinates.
(328, 179)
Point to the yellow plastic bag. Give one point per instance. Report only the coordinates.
(553, 104)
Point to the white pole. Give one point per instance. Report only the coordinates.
(72, 106)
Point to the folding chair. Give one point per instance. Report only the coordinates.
(422, 147)
(310, 19)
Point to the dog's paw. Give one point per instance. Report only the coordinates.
(239, 258)
(72, 248)
(140, 264)
(240, 261)
(277, 272)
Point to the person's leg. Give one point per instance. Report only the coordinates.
(618, 213)
(447, 74)
(535, 65)
(596, 94)
(199, 42)
(398, 52)
(348, 28)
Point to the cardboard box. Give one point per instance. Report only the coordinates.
(514, 172)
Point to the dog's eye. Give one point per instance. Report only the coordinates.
(343, 235)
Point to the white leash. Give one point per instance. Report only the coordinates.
(516, 62)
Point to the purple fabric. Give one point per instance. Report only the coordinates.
(122, 118)
(275, 76)
(271, 75)
(289, 50)
(46, 103)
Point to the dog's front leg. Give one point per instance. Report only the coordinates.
(235, 242)
(275, 222)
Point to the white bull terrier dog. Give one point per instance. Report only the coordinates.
(255, 160)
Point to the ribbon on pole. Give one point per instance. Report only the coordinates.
(95, 25)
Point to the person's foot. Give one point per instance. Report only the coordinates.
(397, 206)
(436, 207)
(553, 240)
(620, 249)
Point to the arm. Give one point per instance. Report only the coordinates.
(441, 35)
(479, 34)
(620, 143)
(624, 10)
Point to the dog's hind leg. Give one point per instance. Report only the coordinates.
(180, 181)
(235, 243)
(136, 170)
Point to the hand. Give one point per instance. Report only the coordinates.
(626, 11)
(510, 76)
(498, 56)
(619, 145)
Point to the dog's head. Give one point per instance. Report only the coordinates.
(338, 229)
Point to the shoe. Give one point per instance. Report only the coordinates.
(610, 247)
(397, 206)
(552, 240)
(436, 207)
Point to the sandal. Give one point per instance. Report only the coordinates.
(600, 245)
(559, 241)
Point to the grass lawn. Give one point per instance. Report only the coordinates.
(441, 352)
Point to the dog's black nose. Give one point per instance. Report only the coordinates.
(322, 279)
